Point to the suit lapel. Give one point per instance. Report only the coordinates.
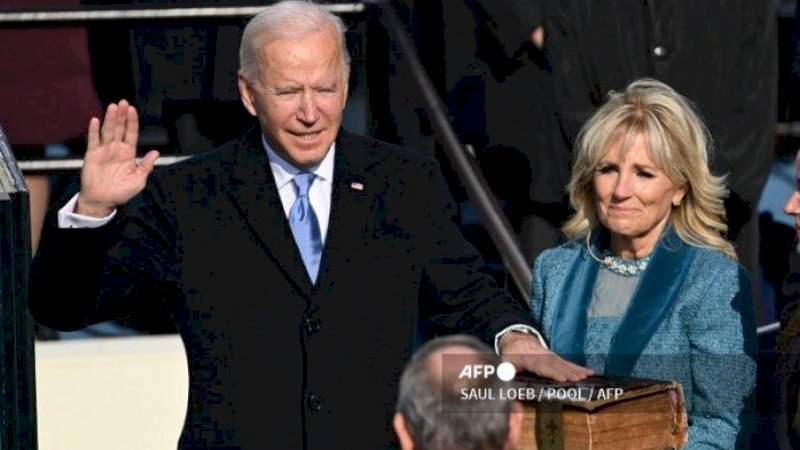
(568, 329)
(253, 192)
(352, 218)
(652, 302)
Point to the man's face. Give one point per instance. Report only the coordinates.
(299, 95)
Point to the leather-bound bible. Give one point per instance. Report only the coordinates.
(602, 413)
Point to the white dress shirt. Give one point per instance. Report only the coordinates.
(320, 192)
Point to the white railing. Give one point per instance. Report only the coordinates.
(95, 14)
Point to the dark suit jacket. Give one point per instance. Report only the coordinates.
(275, 362)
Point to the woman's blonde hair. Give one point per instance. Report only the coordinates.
(677, 142)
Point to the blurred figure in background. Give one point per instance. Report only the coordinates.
(47, 94)
(186, 77)
(499, 95)
(522, 130)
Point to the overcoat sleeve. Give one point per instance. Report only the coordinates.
(458, 295)
(85, 276)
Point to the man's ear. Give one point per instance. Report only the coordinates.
(514, 426)
(346, 89)
(399, 423)
(246, 94)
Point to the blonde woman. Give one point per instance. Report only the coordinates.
(648, 286)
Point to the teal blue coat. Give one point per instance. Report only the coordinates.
(691, 319)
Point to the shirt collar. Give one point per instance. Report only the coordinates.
(284, 171)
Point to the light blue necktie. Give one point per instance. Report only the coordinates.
(305, 227)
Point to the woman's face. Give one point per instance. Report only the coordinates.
(634, 198)
(792, 206)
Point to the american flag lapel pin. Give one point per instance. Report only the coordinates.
(357, 186)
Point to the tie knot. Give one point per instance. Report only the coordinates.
(303, 182)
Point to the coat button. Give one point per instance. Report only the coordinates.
(311, 325)
(314, 402)
(660, 51)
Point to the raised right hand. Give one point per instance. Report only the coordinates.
(111, 176)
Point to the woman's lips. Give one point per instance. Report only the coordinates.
(621, 209)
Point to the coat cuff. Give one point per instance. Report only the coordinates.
(517, 328)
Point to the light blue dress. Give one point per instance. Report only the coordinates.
(690, 319)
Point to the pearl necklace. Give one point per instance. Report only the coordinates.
(625, 267)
